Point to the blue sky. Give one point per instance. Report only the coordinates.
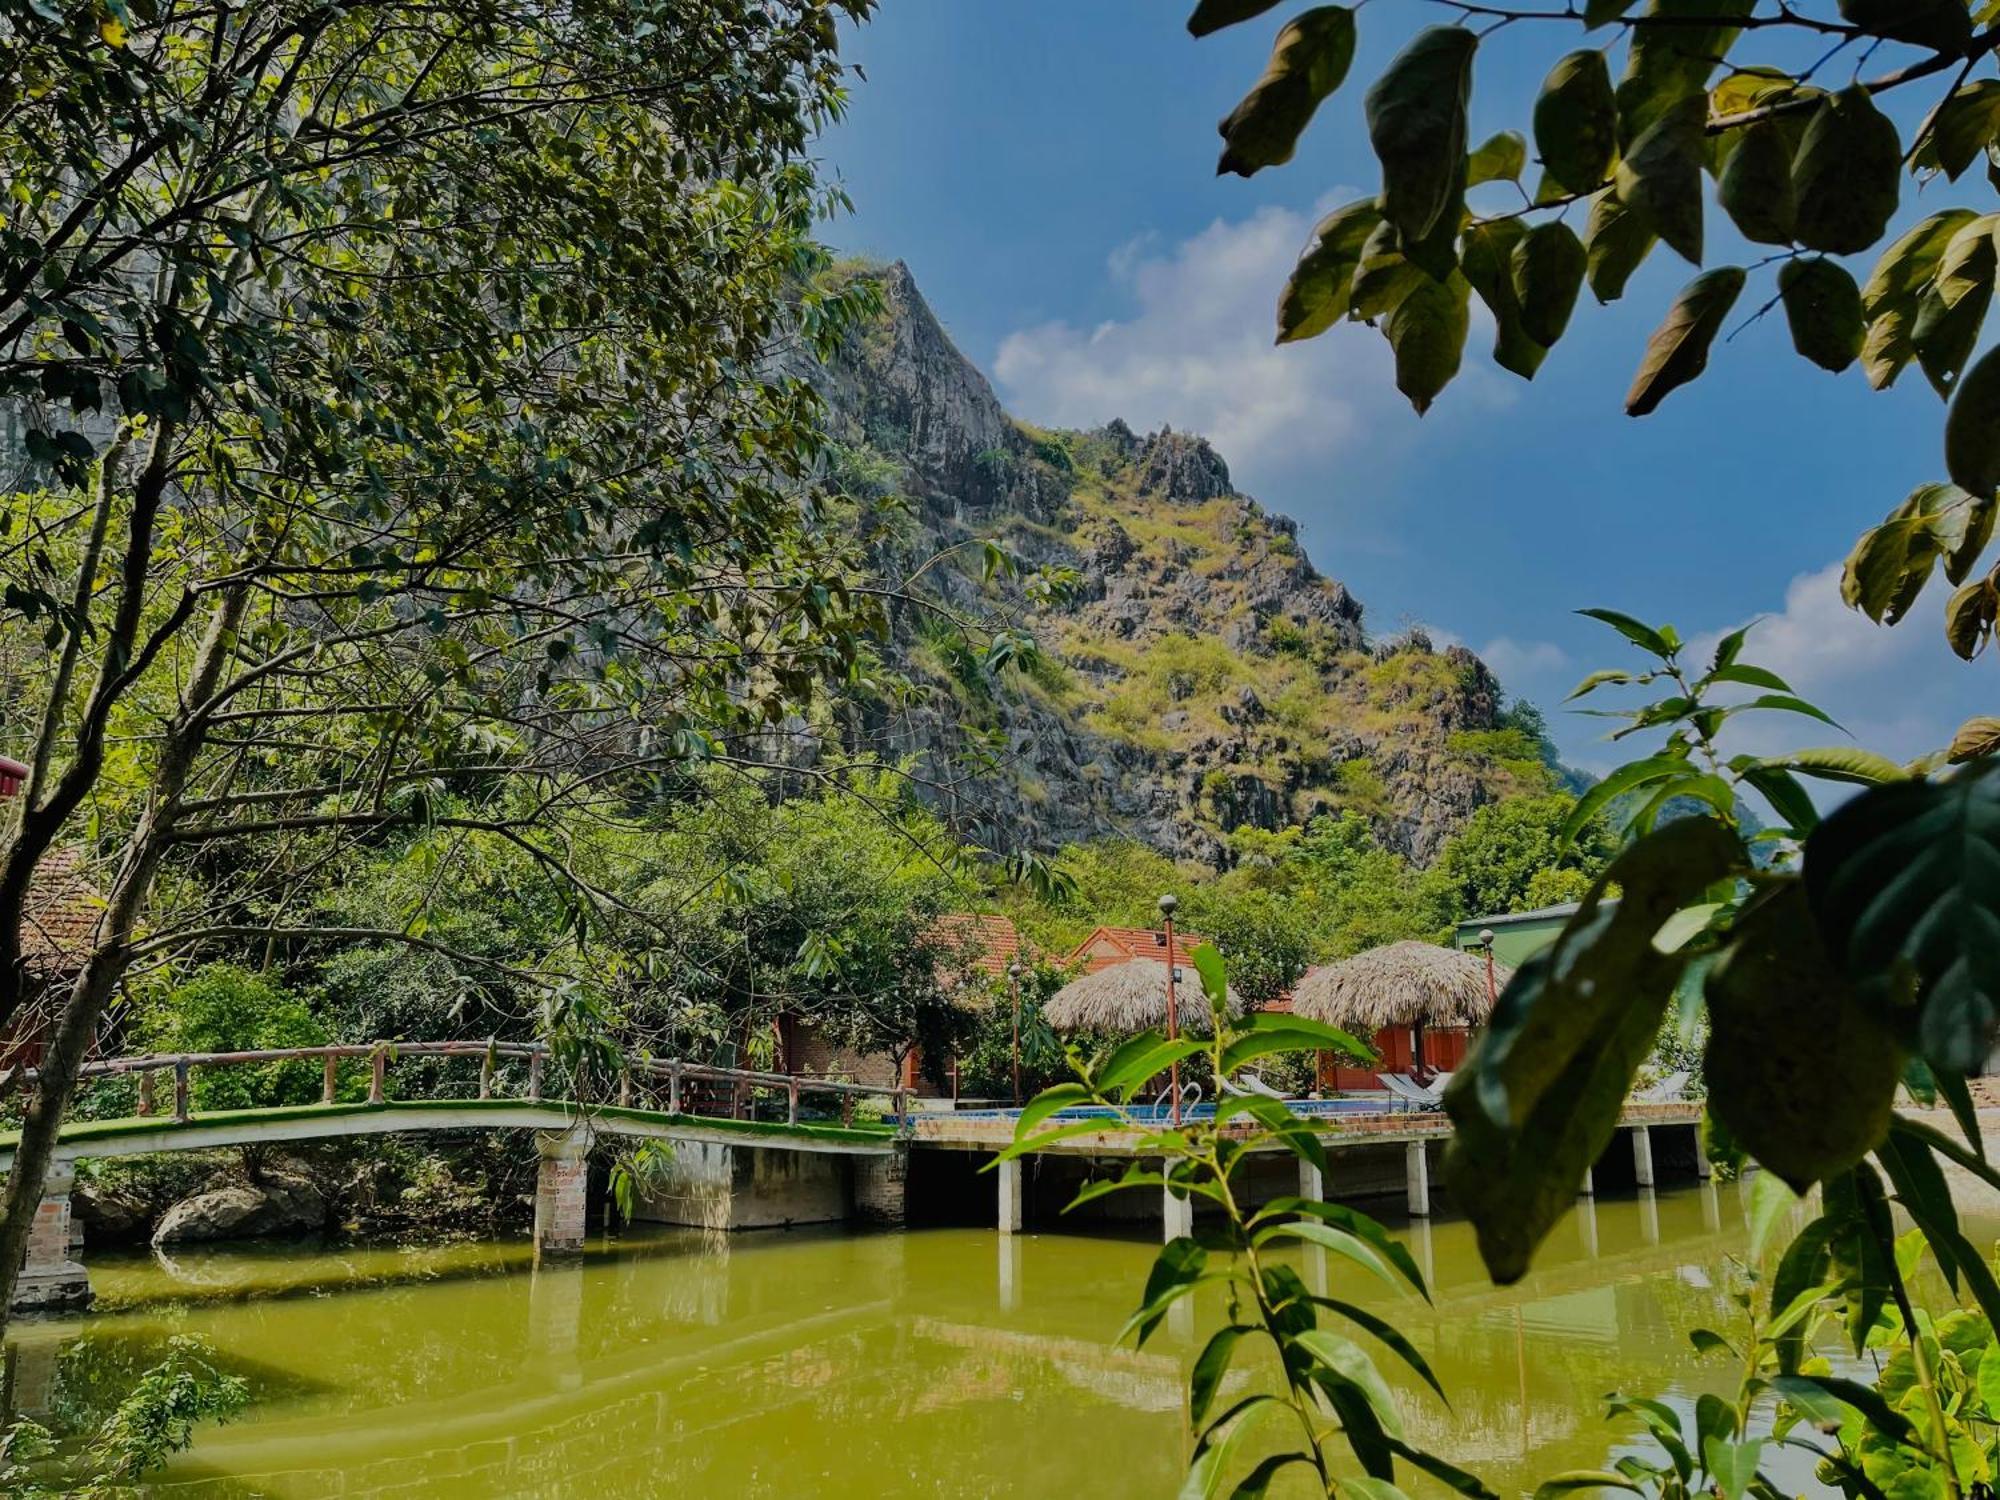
(1046, 169)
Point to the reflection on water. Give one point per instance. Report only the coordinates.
(934, 1363)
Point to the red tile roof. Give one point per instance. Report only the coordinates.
(989, 942)
(60, 915)
(1118, 945)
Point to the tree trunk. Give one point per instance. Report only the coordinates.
(69, 1044)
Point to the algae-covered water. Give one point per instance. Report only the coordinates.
(945, 1362)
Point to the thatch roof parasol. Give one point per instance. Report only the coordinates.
(1403, 984)
(1129, 997)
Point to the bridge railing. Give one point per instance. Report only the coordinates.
(642, 1081)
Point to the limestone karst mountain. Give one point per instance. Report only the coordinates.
(1196, 674)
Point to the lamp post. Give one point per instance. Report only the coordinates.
(1014, 979)
(1168, 906)
(1486, 942)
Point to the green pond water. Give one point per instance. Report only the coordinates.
(945, 1362)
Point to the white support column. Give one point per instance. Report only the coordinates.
(1589, 1187)
(1177, 1214)
(1009, 1173)
(1312, 1182)
(1586, 1225)
(1642, 1156)
(1010, 1272)
(1703, 1167)
(560, 1186)
(49, 1279)
(1417, 1177)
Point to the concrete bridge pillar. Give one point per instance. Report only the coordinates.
(1312, 1182)
(50, 1280)
(1009, 1173)
(881, 1186)
(1417, 1175)
(560, 1198)
(1642, 1156)
(1179, 1215)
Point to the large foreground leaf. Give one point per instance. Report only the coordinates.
(1905, 885)
(1539, 1099)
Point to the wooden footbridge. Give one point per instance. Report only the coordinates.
(746, 1119)
(652, 1099)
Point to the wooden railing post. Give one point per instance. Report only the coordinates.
(535, 1075)
(792, 1103)
(674, 1087)
(377, 1075)
(846, 1108)
(183, 1109)
(486, 1073)
(330, 1079)
(147, 1104)
(624, 1088)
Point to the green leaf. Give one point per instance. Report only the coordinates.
(1209, 1368)
(1787, 703)
(1027, 1145)
(1938, 25)
(1140, 1068)
(1213, 1457)
(1257, 1483)
(1748, 676)
(1327, 1237)
(1755, 188)
(1637, 632)
(1385, 276)
(1888, 566)
(1539, 1098)
(1632, 774)
(1486, 257)
(1847, 175)
(1969, 617)
(1972, 428)
(1427, 331)
(1248, 1049)
(1417, 125)
(1976, 737)
(1371, 1488)
(1823, 309)
(1965, 124)
(1839, 763)
(1322, 283)
(1177, 1269)
(1214, 972)
(1576, 122)
(1047, 1102)
(1660, 177)
(1888, 348)
(1732, 1464)
(1905, 883)
(1308, 61)
(1391, 1336)
(1617, 240)
(1801, 1274)
(1362, 1227)
(1548, 268)
(1678, 350)
(1453, 1477)
(1770, 1201)
(1912, 260)
(1571, 1480)
(1950, 315)
(1799, 1070)
(1352, 1363)
(1500, 158)
(1212, 15)
(1787, 798)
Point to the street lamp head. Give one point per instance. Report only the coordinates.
(1486, 937)
(1014, 972)
(1169, 904)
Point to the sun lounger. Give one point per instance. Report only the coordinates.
(1406, 1091)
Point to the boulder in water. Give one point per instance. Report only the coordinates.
(274, 1206)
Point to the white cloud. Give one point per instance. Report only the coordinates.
(1897, 690)
(1515, 662)
(1196, 353)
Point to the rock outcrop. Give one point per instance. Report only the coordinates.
(1192, 671)
(272, 1205)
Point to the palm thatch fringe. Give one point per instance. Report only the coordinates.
(1402, 984)
(1129, 997)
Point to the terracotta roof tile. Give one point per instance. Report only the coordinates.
(1118, 945)
(990, 942)
(61, 913)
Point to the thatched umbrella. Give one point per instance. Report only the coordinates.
(1129, 997)
(1404, 984)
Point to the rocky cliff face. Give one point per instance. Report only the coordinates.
(1191, 672)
